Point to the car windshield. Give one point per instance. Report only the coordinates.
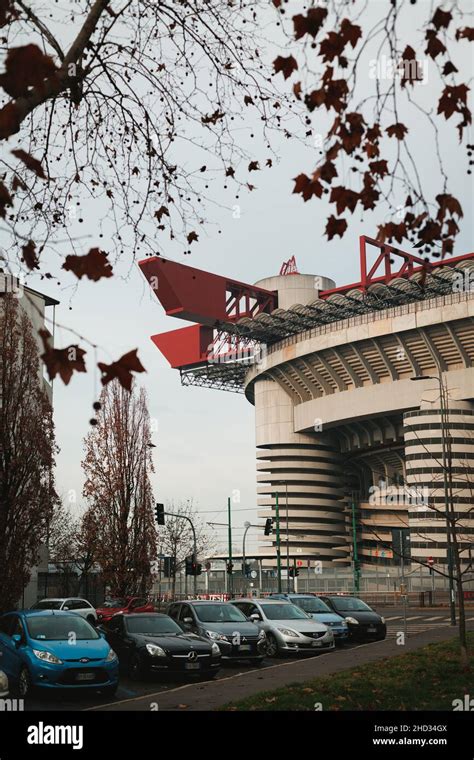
(312, 606)
(283, 612)
(115, 603)
(48, 604)
(349, 603)
(153, 626)
(218, 613)
(60, 628)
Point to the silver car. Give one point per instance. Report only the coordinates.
(288, 628)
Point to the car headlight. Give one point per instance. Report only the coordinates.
(382, 619)
(42, 654)
(155, 650)
(3, 682)
(215, 650)
(352, 620)
(288, 632)
(216, 636)
(262, 635)
(111, 656)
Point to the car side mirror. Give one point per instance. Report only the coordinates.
(255, 617)
(16, 638)
(66, 608)
(188, 621)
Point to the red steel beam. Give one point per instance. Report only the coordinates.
(198, 296)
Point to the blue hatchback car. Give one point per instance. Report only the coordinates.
(320, 611)
(52, 649)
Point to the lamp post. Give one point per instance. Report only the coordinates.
(278, 548)
(247, 525)
(449, 557)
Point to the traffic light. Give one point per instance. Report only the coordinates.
(192, 567)
(230, 567)
(169, 567)
(160, 514)
(296, 572)
(246, 569)
(268, 526)
(291, 572)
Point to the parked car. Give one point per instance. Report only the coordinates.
(125, 605)
(319, 610)
(53, 649)
(69, 604)
(237, 637)
(288, 628)
(155, 643)
(364, 623)
(3, 685)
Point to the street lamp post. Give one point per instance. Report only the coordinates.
(439, 378)
(247, 525)
(277, 520)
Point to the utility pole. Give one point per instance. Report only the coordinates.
(355, 557)
(247, 525)
(185, 517)
(277, 521)
(447, 478)
(287, 544)
(229, 520)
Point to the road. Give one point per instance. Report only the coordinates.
(418, 621)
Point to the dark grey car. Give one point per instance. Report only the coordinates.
(237, 637)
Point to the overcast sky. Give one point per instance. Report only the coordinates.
(205, 440)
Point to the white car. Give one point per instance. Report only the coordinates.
(3, 685)
(69, 604)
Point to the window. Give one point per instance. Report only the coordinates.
(153, 626)
(174, 611)
(185, 612)
(55, 628)
(218, 613)
(6, 624)
(76, 604)
(116, 624)
(137, 603)
(17, 628)
(47, 604)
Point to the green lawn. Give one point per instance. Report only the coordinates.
(428, 679)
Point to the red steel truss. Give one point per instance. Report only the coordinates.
(214, 302)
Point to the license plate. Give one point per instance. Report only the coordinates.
(192, 665)
(371, 629)
(316, 643)
(85, 676)
(245, 648)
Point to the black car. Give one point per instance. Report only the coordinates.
(363, 622)
(154, 643)
(221, 622)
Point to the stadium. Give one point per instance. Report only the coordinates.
(361, 462)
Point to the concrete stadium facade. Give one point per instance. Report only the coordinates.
(353, 449)
(338, 419)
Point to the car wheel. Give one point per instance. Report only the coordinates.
(135, 669)
(24, 684)
(108, 691)
(272, 645)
